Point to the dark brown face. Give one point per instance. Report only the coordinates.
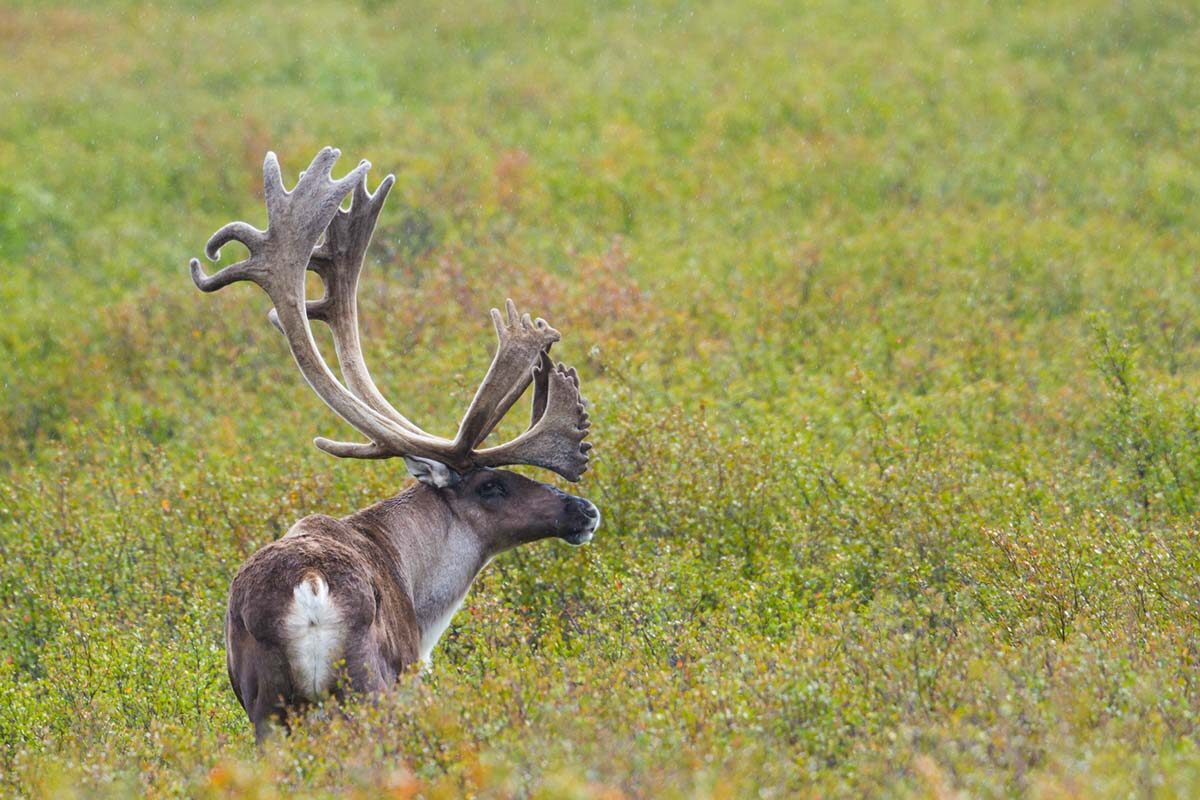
(514, 509)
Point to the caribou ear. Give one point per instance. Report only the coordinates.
(431, 473)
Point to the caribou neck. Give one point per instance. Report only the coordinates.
(437, 553)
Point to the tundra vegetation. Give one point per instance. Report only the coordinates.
(890, 319)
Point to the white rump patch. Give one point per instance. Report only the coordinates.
(315, 635)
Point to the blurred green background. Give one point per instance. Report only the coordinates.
(887, 313)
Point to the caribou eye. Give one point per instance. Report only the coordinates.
(492, 488)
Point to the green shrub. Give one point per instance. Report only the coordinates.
(887, 313)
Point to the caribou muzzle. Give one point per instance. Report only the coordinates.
(579, 521)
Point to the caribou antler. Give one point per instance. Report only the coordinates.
(554, 439)
(279, 257)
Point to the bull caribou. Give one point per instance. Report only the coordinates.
(349, 604)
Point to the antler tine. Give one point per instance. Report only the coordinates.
(555, 440)
(522, 340)
(541, 387)
(244, 270)
(369, 450)
(249, 235)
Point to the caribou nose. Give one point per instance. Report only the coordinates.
(591, 513)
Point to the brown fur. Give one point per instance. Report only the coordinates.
(390, 568)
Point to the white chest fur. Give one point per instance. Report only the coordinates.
(448, 574)
(432, 631)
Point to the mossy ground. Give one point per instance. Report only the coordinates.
(890, 318)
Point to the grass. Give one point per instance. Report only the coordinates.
(889, 318)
